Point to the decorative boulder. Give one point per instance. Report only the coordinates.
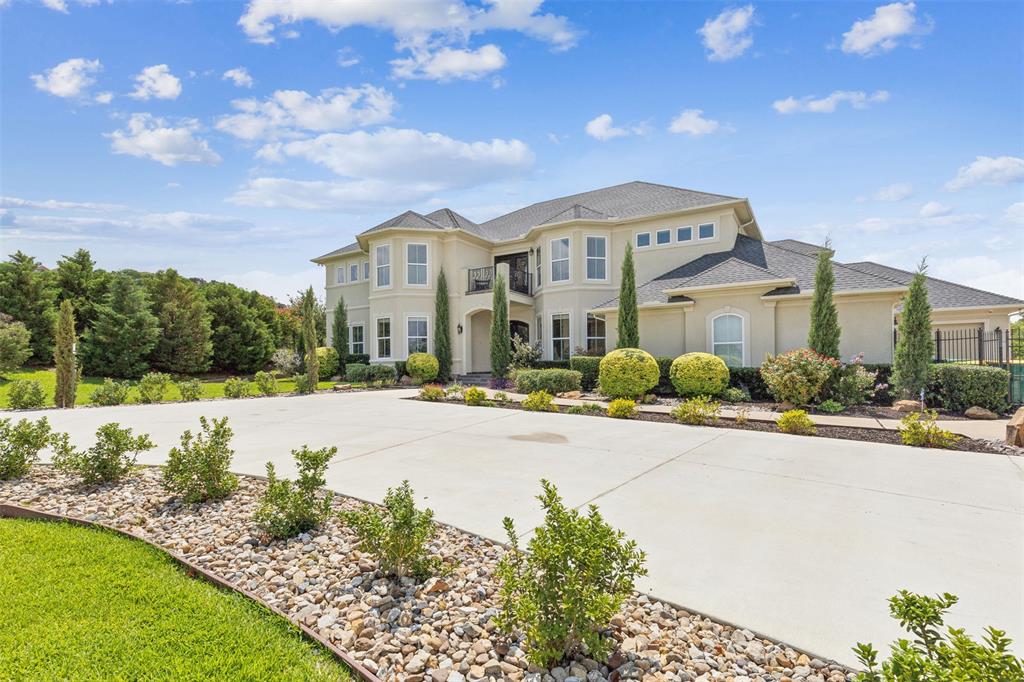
(906, 406)
(976, 412)
(1015, 429)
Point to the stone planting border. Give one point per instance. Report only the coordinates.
(12, 511)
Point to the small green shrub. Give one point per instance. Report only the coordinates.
(301, 383)
(500, 397)
(852, 383)
(190, 389)
(455, 390)
(397, 534)
(957, 387)
(799, 376)
(358, 358)
(750, 380)
(383, 374)
(695, 374)
(474, 396)
(589, 367)
(26, 394)
(199, 469)
(831, 406)
(357, 372)
(432, 392)
(288, 508)
(622, 408)
(327, 362)
(524, 354)
(111, 458)
(401, 369)
(422, 367)
(554, 381)
(627, 373)
(562, 593)
(937, 656)
(266, 383)
(111, 392)
(20, 445)
(153, 386)
(733, 394)
(698, 411)
(796, 422)
(922, 431)
(236, 388)
(539, 401)
(742, 416)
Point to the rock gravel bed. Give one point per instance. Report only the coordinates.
(441, 630)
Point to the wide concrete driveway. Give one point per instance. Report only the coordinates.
(798, 538)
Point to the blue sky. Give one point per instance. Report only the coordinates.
(238, 140)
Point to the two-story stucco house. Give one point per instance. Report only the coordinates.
(707, 281)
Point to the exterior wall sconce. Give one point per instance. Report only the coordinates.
(459, 328)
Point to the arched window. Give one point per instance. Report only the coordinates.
(727, 338)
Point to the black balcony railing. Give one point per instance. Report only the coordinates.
(482, 279)
(519, 280)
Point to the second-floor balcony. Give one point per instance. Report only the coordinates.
(482, 279)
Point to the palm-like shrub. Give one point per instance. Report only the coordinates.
(799, 376)
(627, 373)
(20, 445)
(422, 367)
(199, 469)
(699, 374)
(111, 458)
(288, 508)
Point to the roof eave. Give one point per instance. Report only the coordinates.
(647, 306)
(845, 292)
(682, 291)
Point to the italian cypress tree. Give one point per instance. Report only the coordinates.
(65, 339)
(309, 337)
(339, 333)
(823, 335)
(442, 330)
(184, 345)
(914, 344)
(501, 341)
(124, 332)
(27, 294)
(628, 323)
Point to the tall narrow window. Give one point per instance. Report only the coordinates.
(353, 272)
(560, 336)
(538, 266)
(595, 334)
(339, 275)
(727, 339)
(366, 269)
(384, 266)
(416, 264)
(560, 260)
(384, 337)
(417, 334)
(540, 328)
(356, 342)
(706, 231)
(597, 258)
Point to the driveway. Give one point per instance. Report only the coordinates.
(801, 539)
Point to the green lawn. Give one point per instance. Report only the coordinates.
(47, 377)
(86, 604)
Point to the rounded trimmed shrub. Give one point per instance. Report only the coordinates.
(699, 374)
(328, 362)
(627, 373)
(422, 367)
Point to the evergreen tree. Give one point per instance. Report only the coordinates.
(501, 339)
(823, 335)
(339, 333)
(628, 323)
(242, 339)
(914, 344)
(442, 329)
(80, 282)
(123, 335)
(65, 340)
(14, 344)
(27, 295)
(184, 346)
(319, 315)
(309, 338)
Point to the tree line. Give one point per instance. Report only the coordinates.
(131, 322)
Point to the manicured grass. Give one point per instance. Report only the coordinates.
(86, 604)
(48, 379)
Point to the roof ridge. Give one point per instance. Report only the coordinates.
(934, 279)
(685, 189)
(726, 261)
(834, 262)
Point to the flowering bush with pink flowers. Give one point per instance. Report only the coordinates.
(799, 376)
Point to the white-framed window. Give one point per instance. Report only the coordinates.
(597, 258)
(560, 259)
(416, 265)
(383, 266)
(706, 231)
(662, 237)
(643, 240)
(339, 275)
(684, 234)
(353, 272)
(540, 328)
(596, 334)
(538, 267)
(356, 339)
(560, 338)
(366, 269)
(727, 338)
(416, 334)
(383, 337)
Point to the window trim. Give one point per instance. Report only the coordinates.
(744, 331)
(587, 258)
(351, 279)
(687, 240)
(366, 270)
(636, 240)
(339, 274)
(425, 265)
(657, 233)
(351, 337)
(540, 267)
(377, 338)
(586, 333)
(568, 339)
(714, 231)
(552, 260)
(416, 316)
(377, 267)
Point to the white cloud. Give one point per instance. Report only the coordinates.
(347, 57)
(56, 205)
(981, 272)
(56, 5)
(986, 170)
(884, 30)
(148, 137)
(68, 79)
(239, 76)
(1014, 214)
(104, 97)
(934, 209)
(446, 63)
(601, 128)
(156, 81)
(897, 191)
(287, 112)
(691, 122)
(727, 36)
(857, 99)
(352, 196)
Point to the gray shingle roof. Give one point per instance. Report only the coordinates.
(576, 212)
(941, 294)
(450, 219)
(349, 248)
(410, 220)
(798, 246)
